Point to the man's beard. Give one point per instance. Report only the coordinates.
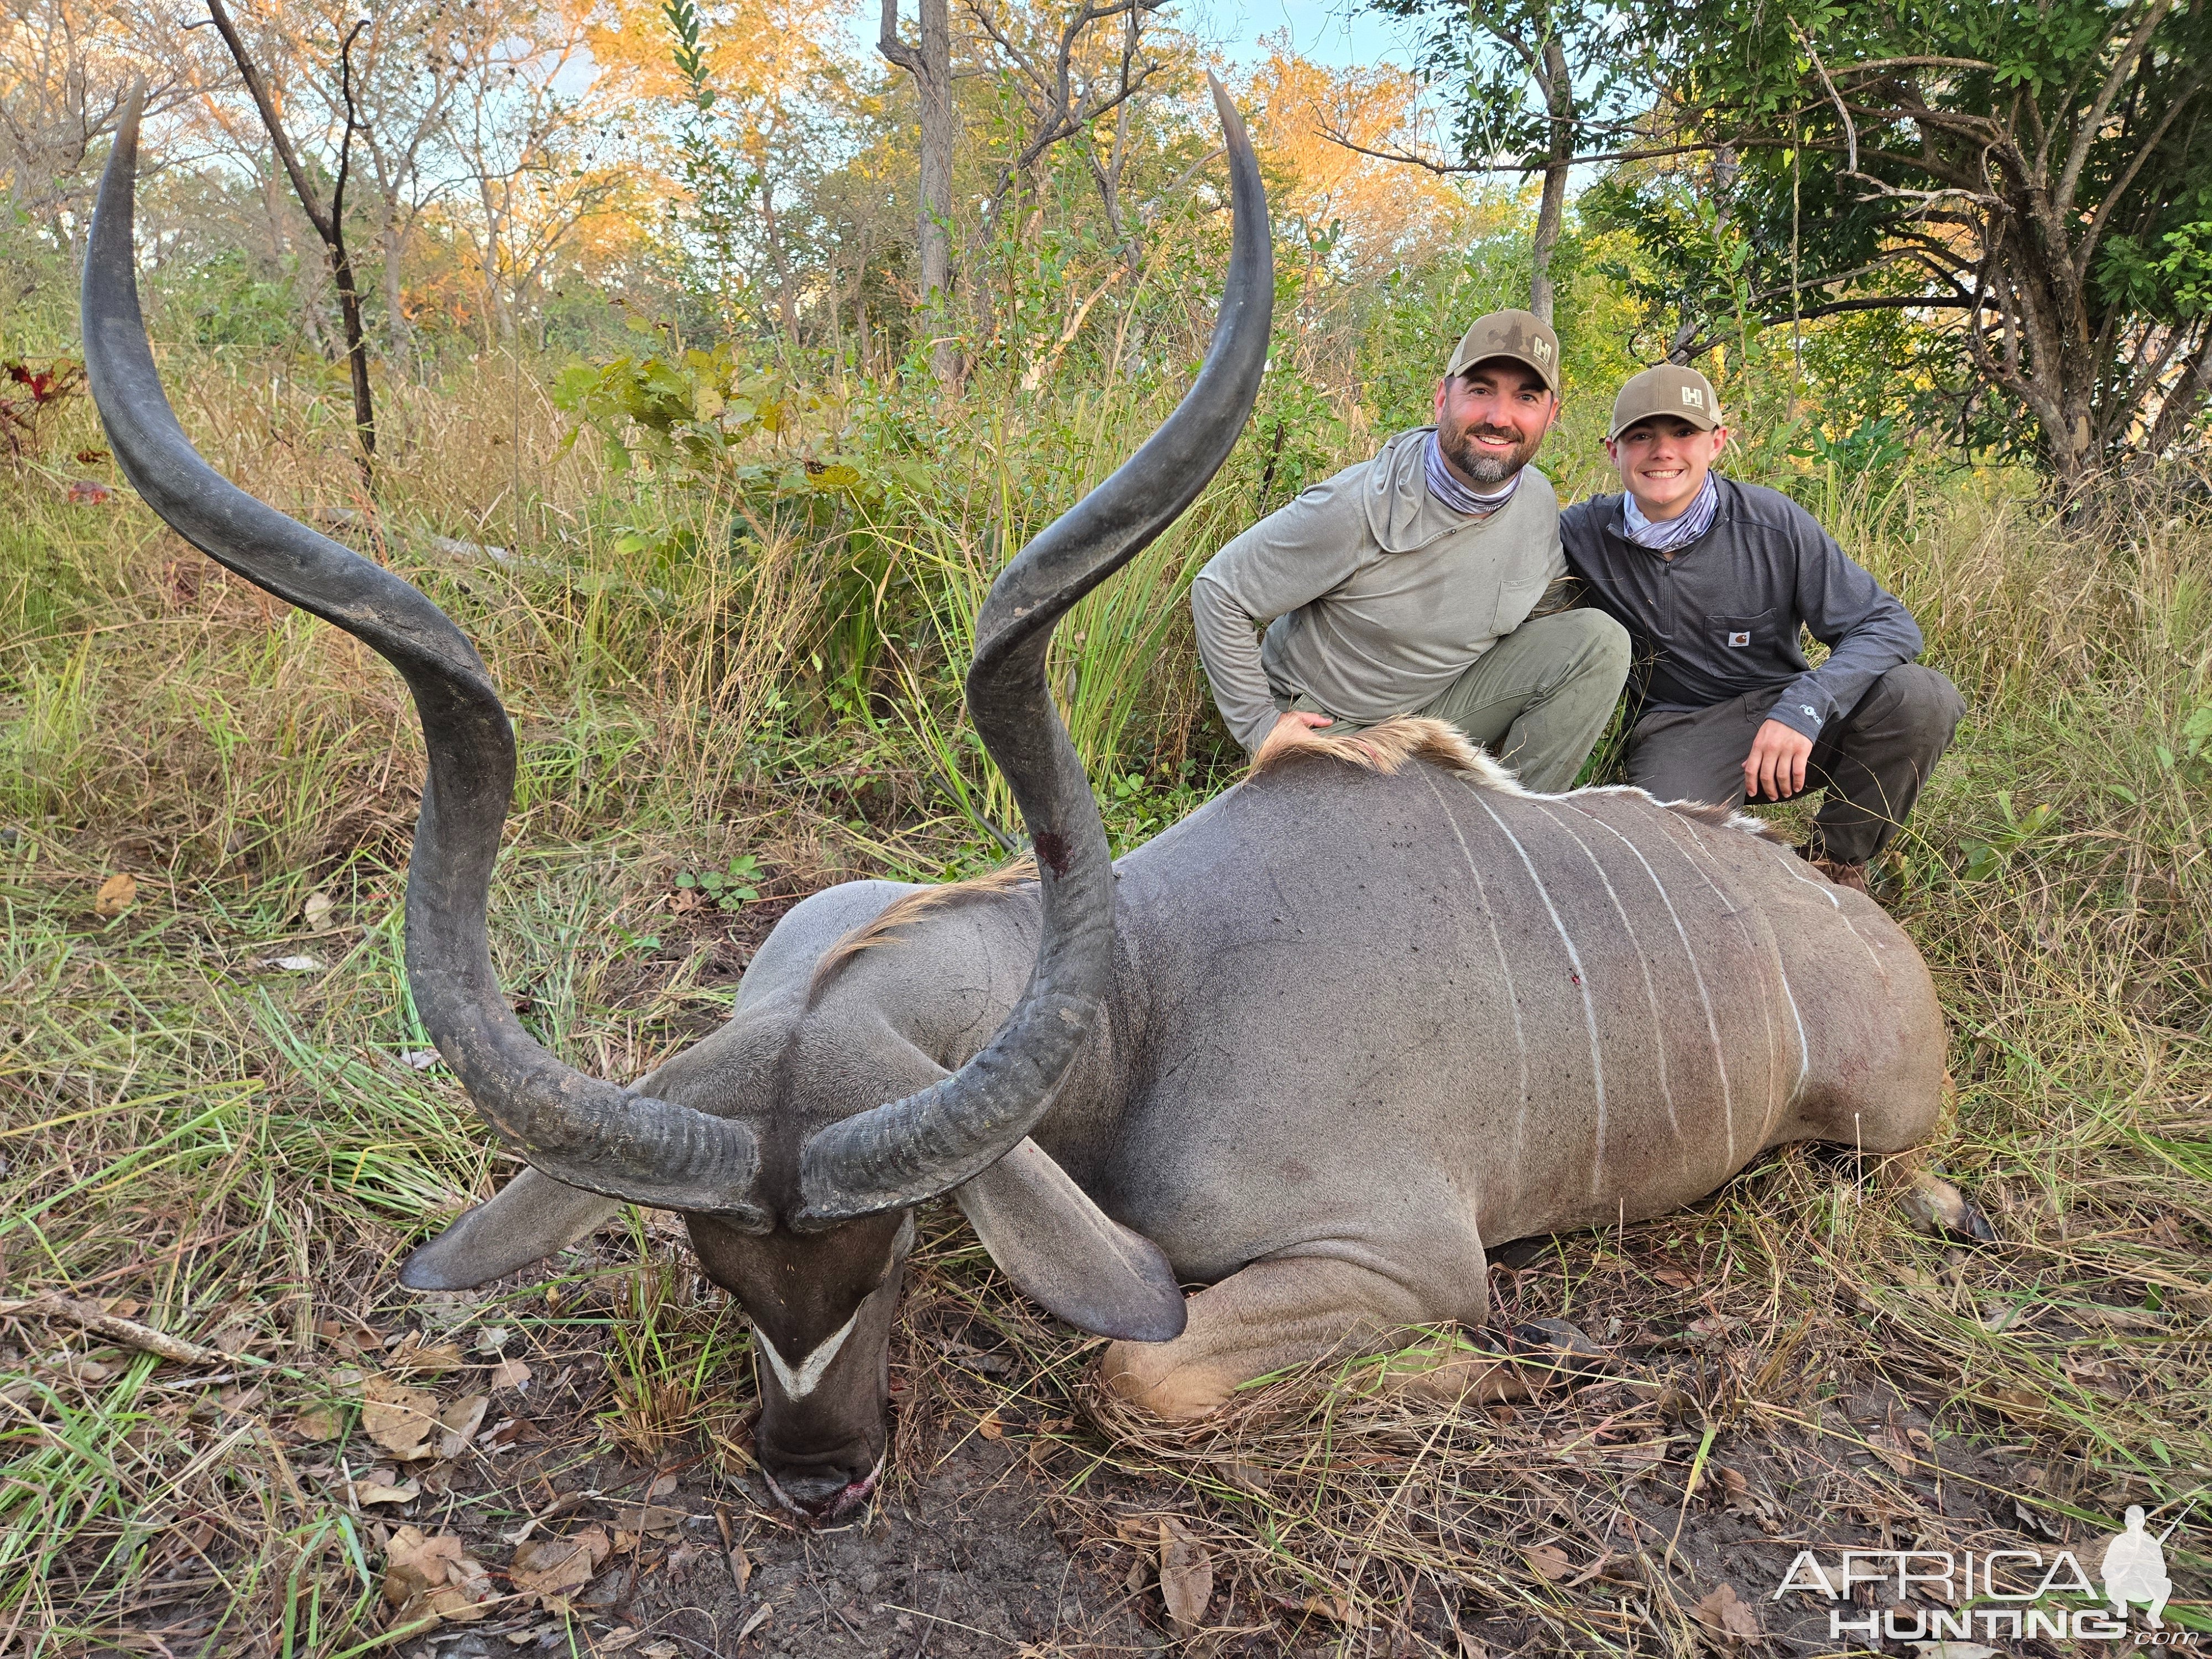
(1486, 471)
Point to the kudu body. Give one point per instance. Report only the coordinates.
(1312, 1049)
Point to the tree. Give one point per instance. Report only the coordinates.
(2040, 174)
(327, 217)
(1063, 86)
(1543, 81)
(930, 64)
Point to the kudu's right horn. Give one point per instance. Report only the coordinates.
(576, 1128)
(913, 1148)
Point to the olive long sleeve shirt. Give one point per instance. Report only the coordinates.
(1719, 618)
(1375, 596)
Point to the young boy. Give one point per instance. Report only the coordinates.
(1713, 579)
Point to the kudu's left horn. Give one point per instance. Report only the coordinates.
(913, 1149)
(576, 1128)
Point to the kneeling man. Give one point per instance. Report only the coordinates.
(1713, 579)
(1429, 580)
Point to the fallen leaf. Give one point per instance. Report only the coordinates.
(990, 1427)
(1336, 1607)
(1725, 1615)
(366, 1492)
(421, 1060)
(431, 1359)
(317, 911)
(1715, 1324)
(680, 1558)
(1186, 1576)
(661, 1488)
(398, 1418)
(555, 1567)
(435, 1579)
(1551, 1562)
(460, 1422)
(416, 1564)
(116, 894)
(508, 1374)
(759, 1618)
(318, 1423)
(1675, 1277)
(615, 1640)
(1893, 1448)
(297, 964)
(663, 1649)
(658, 1517)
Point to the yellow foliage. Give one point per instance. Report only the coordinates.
(1388, 209)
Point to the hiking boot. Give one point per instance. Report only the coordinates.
(1853, 876)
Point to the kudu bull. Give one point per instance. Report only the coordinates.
(1311, 1048)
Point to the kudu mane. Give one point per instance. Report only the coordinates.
(1399, 741)
(883, 930)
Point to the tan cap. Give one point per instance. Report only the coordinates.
(1667, 390)
(1521, 334)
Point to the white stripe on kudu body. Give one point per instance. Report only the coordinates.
(1504, 967)
(797, 1384)
(1696, 974)
(1643, 962)
(1582, 983)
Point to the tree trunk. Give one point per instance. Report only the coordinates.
(787, 306)
(329, 222)
(1557, 84)
(930, 66)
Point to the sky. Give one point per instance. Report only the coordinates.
(1339, 33)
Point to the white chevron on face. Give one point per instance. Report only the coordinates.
(800, 1382)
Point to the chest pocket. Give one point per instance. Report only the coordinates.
(1515, 599)
(1755, 632)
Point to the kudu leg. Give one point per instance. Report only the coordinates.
(1289, 1310)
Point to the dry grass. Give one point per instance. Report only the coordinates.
(241, 1152)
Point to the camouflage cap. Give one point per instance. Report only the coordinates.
(1667, 390)
(1521, 334)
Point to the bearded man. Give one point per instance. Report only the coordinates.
(1428, 581)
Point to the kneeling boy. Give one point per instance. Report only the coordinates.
(1712, 579)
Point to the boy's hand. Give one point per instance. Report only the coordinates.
(1775, 768)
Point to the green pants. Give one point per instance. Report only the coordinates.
(1538, 700)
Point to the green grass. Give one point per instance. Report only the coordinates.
(239, 1149)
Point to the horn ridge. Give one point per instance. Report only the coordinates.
(576, 1128)
(913, 1148)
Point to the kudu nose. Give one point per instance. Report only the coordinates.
(826, 1487)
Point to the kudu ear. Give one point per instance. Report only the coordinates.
(1062, 1250)
(531, 1216)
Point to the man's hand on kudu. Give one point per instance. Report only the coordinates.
(1775, 768)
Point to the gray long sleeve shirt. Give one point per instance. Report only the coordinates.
(1375, 596)
(1719, 618)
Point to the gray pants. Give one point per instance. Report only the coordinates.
(1538, 700)
(1870, 761)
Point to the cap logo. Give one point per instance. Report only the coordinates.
(1542, 350)
(1694, 394)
